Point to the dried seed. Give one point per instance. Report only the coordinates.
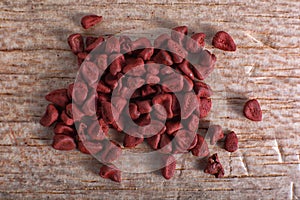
(50, 116)
(61, 128)
(63, 142)
(90, 20)
(252, 110)
(196, 43)
(154, 141)
(201, 148)
(169, 162)
(215, 133)
(179, 33)
(164, 100)
(66, 119)
(58, 97)
(91, 44)
(131, 141)
(223, 41)
(205, 105)
(231, 142)
(214, 166)
(75, 42)
(110, 172)
(165, 144)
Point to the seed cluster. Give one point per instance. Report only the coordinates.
(152, 83)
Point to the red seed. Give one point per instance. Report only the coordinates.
(188, 84)
(148, 90)
(146, 54)
(81, 132)
(143, 120)
(204, 107)
(169, 163)
(111, 81)
(164, 100)
(192, 123)
(154, 141)
(157, 127)
(76, 113)
(119, 103)
(70, 90)
(83, 56)
(79, 92)
(134, 82)
(163, 57)
(110, 172)
(140, 43)
(152, 79)
(75, 42)
(89, 72)
(185, 68)
(133, 111)
(95, 131)
(144, 106)
(90, 20)
(231, 142)
(117, 63)
(66, 119)
(201, 148)
(91, 44)
(214, 167)
(82, 148)
(161, 40)
(69, 111)
(63, 142)
(61, 128)
(104, 126)
(88, 147)
(203, 65)
(132, 63)
(90, 40)
(50, 116)
(215, 134)
(101, 62)
(173, 126)
(176, 49)
(111, 151)
(165, 144)
(58, 97)
(196, 43)
(125, 42)
(112, 45)
(202, 89)
(252, 110)
(106, 112)
(172, 83)
(152, 67)
(176, 105)
(183, 140)
(101, 87)
(179, 33)
(131, 141)
(194, 143)
(189, 104)
(137, 71)
(223, 41)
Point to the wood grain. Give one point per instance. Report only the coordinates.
(35, 58)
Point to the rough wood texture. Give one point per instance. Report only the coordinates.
(34, 59)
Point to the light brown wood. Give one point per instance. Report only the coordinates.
(35, 58)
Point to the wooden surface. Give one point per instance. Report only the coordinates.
(35, 58)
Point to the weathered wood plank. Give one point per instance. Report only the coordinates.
(35, 58)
